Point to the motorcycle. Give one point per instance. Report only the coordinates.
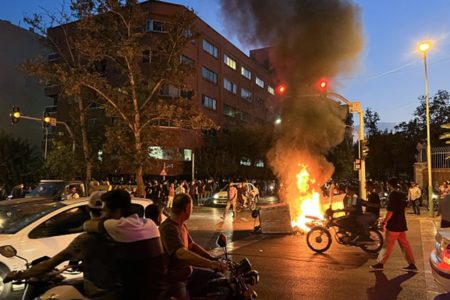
(51, 285)
(251, 203)
(238, 281)
(319, 238)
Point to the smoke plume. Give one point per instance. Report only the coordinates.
(308, 40)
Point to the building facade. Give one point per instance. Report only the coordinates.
(231, 88)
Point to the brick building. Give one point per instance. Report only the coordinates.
(231, 88)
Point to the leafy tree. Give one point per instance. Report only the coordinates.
(371, 119)
(19, 161)
(124, 68)
(60, 165)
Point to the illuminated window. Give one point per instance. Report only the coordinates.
(259, 82)
(208, 47)
(229, 111)
(245, 162)
(230, 86)
(229, 61)
(187, 155)
(270, 90)
(246, 73)
(259, 164)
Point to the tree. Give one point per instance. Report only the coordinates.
(371, 119)
(60, 165)
(19, 161)
(125, 68)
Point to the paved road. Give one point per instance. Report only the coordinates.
(290, 270)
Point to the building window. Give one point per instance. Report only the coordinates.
(160, 153)
(246, 73)
(245, 117)
(187, 154)
(229, 61)
(209, 75)
(229, 111)
(270, 90)
(245, 162)
(147, 56)
(209, 102)
(259, 82)
(230, 86)
(259, 164)
(186, 60)
(169, 90)
(247, 95)
(210, 49)
(154, 25)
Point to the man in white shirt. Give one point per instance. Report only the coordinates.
(414, 194)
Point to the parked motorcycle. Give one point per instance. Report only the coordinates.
(49, 286)
(238, 281)
(319, 238)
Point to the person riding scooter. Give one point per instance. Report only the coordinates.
(97, 253)
(353, 209)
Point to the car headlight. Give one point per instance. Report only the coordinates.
(215, 201)
(216, 196)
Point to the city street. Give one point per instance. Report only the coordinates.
(290, 270)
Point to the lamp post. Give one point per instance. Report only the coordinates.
(424, 47)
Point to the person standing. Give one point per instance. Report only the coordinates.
(395, 226)
(414, 194)
(231, 200)
(171, 195)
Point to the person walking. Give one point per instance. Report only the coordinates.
(395, 226)
(231, 200)
(414, 194)
(171, 195)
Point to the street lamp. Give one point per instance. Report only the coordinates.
(424, 47)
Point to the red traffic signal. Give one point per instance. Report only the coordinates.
(322, 85)
(281, 89)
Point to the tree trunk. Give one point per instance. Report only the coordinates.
(139, 165)
(85, 145)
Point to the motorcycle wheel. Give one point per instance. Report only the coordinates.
(377, 237)
(318, 239)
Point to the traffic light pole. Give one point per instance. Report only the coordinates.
(355, 107)
(56, 122)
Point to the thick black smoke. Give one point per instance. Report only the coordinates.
(308, 40)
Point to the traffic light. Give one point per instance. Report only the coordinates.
(446, 135)
(364, 148)
(46, 120)
(281, 89)
(15, 115)
(322, 86)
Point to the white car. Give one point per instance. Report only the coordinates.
(39, 228)
(220, 198)
(440, 259)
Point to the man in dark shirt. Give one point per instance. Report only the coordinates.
(188, 261)
(372, 212)
(395, 226)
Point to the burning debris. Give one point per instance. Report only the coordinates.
(309, 40)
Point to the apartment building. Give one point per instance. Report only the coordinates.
(231, 88)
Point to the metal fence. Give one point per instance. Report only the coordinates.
(440, 157)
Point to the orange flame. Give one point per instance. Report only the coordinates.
(308, 200)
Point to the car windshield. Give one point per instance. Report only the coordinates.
(14, 217)
(47, 190)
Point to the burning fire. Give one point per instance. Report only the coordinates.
(308, 200)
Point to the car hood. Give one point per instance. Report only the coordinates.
(6, 239)
(26, 200)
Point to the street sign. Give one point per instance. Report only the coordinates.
(163, 172)
(355, 107)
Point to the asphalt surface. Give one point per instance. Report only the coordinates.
(290, 270)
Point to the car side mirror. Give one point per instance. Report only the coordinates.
(8, 251)
(222, 240)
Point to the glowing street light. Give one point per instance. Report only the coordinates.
(424, 47)
(278, 121)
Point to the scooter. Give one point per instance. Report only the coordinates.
(50, 286)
